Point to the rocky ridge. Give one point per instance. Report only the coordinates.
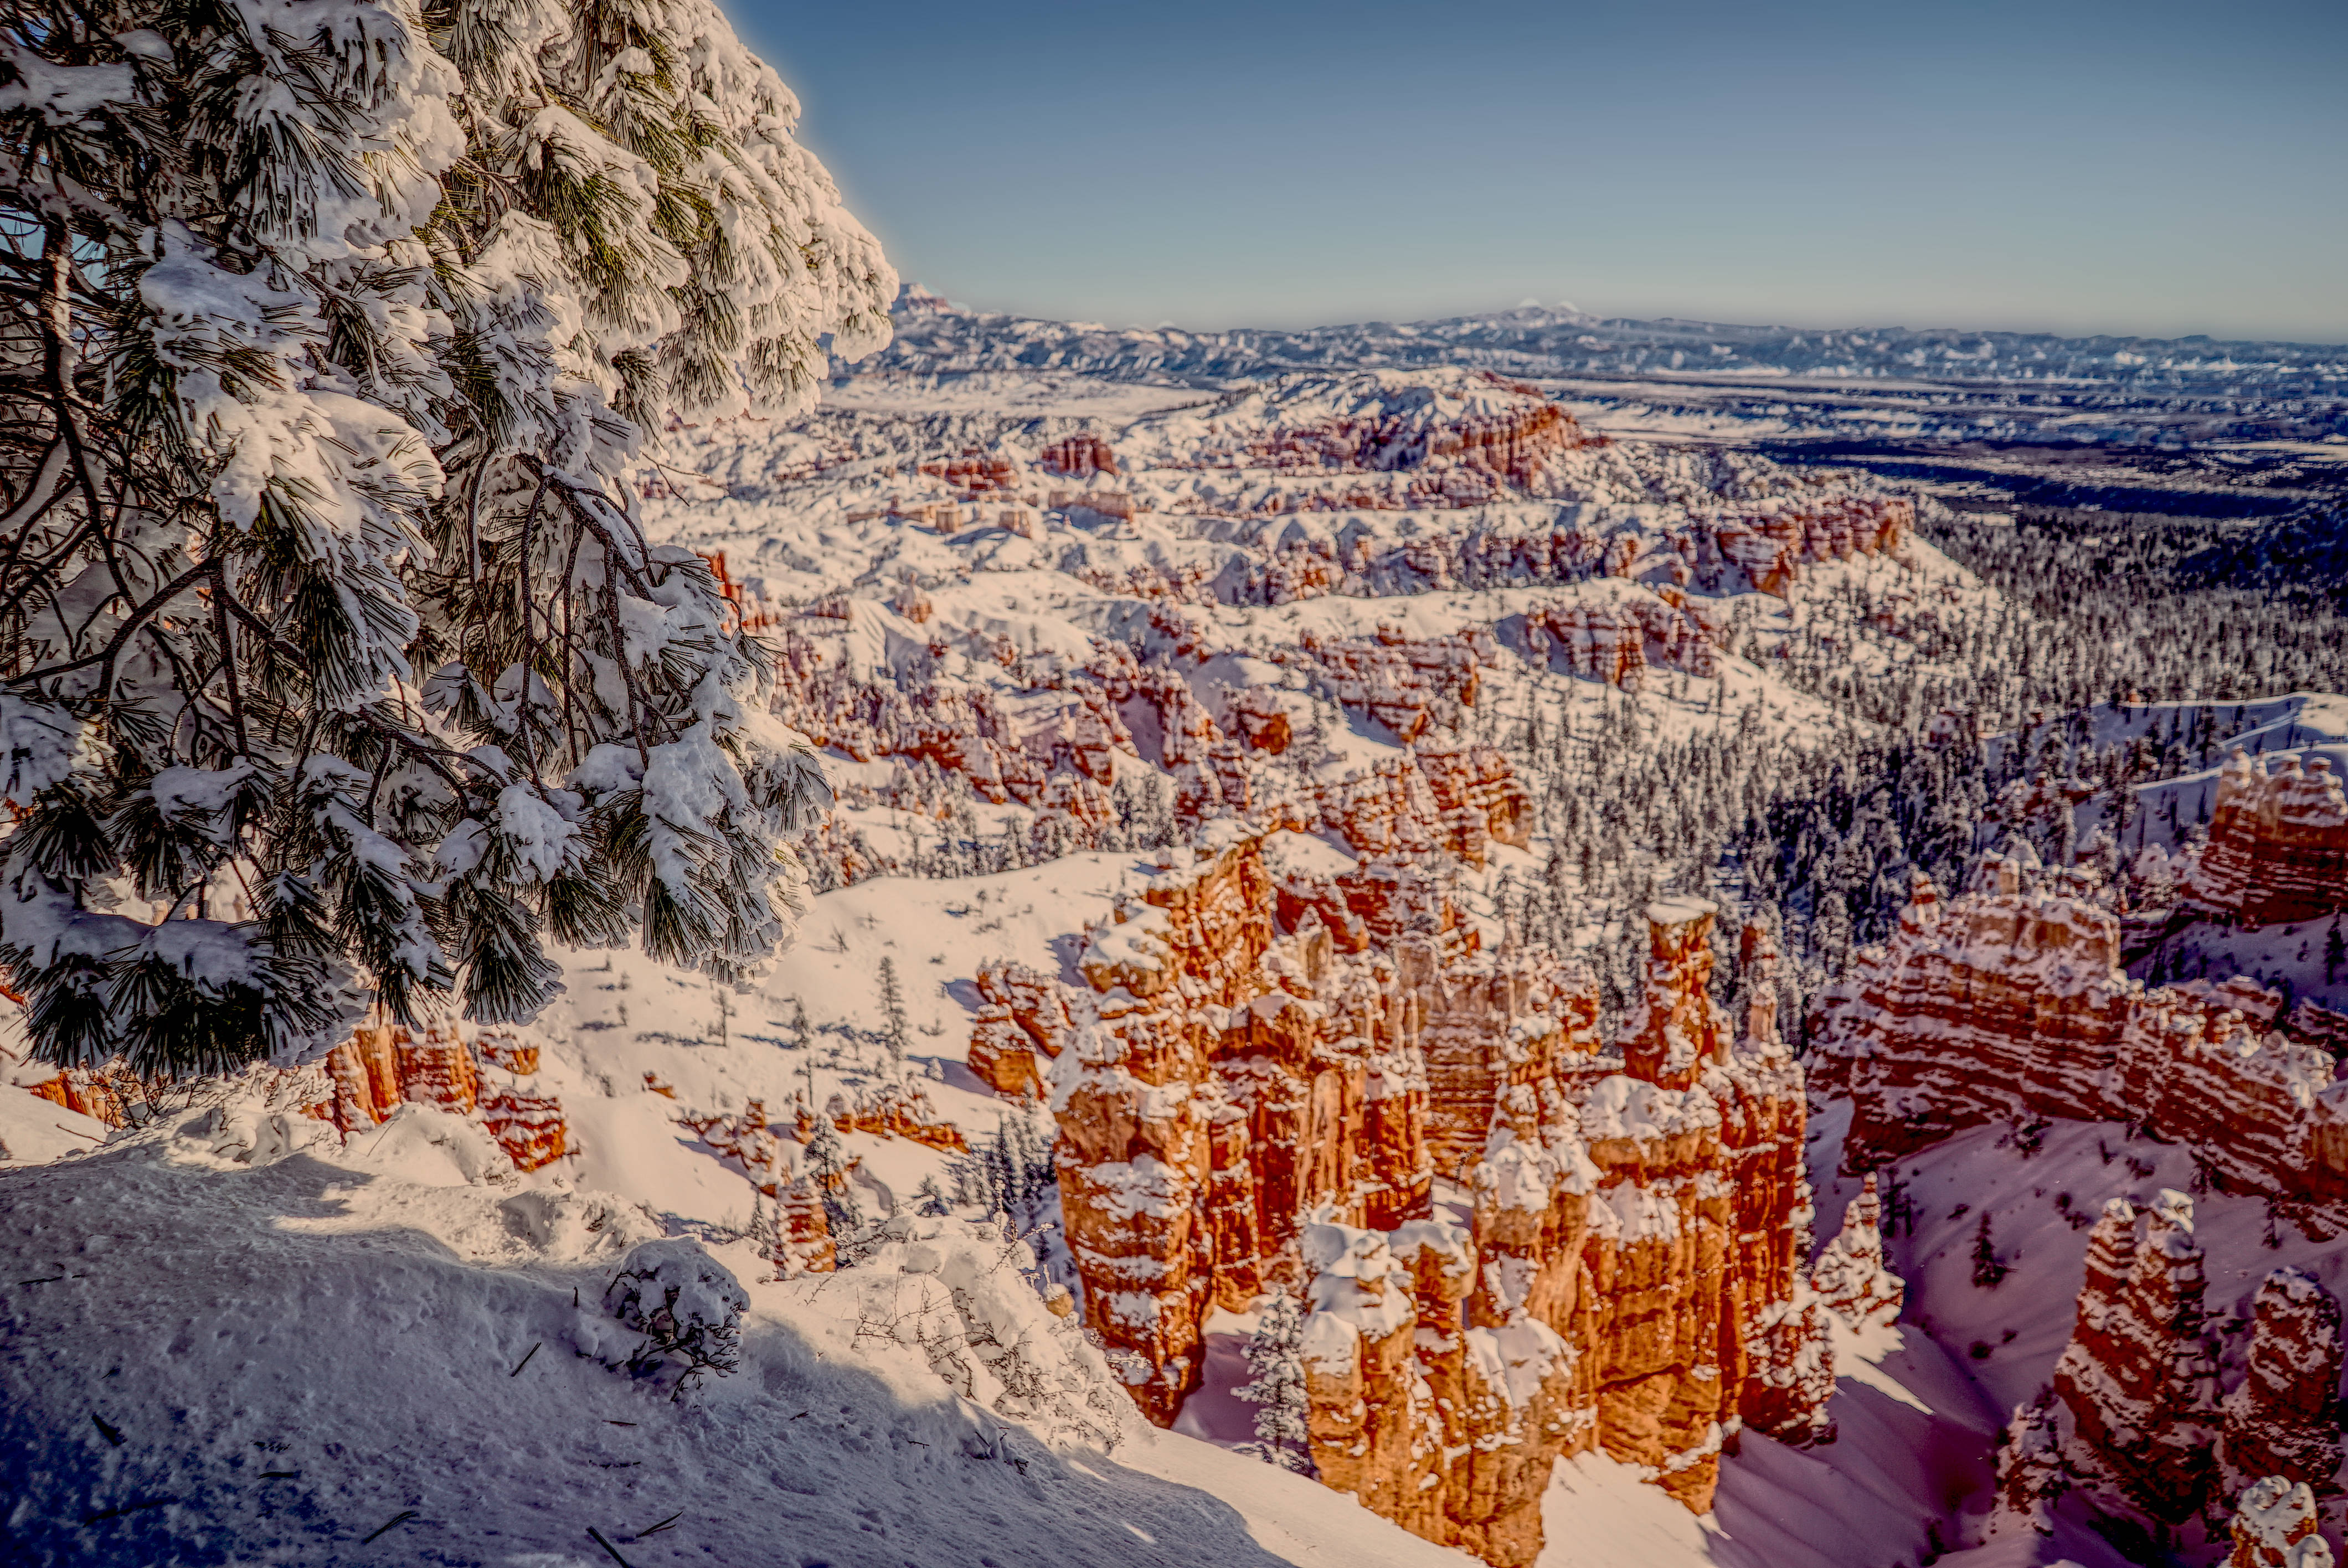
(2009, 1003)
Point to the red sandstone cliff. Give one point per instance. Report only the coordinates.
(2009, 1003)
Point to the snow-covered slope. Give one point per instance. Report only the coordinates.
(217, 1360)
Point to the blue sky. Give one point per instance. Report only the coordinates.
(2146, 168)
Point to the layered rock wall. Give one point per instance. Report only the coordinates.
(2277, 848)
(2009, 1003)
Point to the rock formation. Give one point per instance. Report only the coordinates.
(96, 1093)
(2031, 1474)
(1850, 1279)
(2274, 1527)
(2277, 848)
(2009, 1003)
(1447, 439)
(2137, 1378)
(1618, 639)
(1773, 543)
(1053, 747)
(1268, 1070)
(494, 1079)
(2133, 1418)
(381, 1067)
(1078, 457)
(2283, 1419)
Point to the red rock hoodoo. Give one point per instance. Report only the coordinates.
(2138, 1379)
(2284, 1419)
(1268, 1071)
(2274, 1526)
(2134, 1417)
(1850, 1279)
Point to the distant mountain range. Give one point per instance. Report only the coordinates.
(1536, 342)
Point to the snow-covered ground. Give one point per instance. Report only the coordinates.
(208, 1360)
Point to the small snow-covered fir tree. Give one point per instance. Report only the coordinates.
(329, 332)
(892, 1012)
(1988, 1270)
(826, 1166)
(765, 1231)
(1274, 1355)
(930, 1199)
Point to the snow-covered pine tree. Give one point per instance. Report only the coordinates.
(930, 1199)
(974, 1182)
(892, 1012)
(1988, 1270)
(1274, 1355)
(765, 1231)
(329, 330)
(826, 1166)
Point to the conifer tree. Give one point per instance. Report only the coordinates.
(765, 1231)
(329, 335)
(1988, 1271)
(1274, 1355)
(892, 1010)
(930, 1199)
(826, 1160)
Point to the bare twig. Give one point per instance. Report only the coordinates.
(395, 1519)
(122, 634)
